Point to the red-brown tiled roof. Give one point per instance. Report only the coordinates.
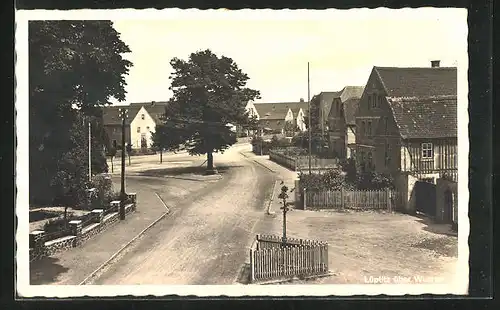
(277, 110)
(418, 82)
(425, 117)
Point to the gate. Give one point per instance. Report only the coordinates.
(425, 197)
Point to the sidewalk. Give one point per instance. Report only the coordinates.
(73, 266)
(284, 176)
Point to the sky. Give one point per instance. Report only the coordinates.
(274, 47)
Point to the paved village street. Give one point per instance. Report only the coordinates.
(205, 237)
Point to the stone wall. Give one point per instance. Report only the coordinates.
(39, 247)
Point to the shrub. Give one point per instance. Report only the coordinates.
(332, 179)
(104, 189)
(349, 168)
(371, 180)
(59, 224)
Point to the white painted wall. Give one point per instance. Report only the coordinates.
(300, 120)
(250, 107)
(139, 126)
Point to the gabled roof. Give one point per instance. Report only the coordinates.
(296, 106)
(418, 82)
(277, 110)
(425, 117)
(350, 92)
(111, 114)
(350, 107)
(328, 97)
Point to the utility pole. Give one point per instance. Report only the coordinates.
(90, 152)
(309, 102)
(123, 115)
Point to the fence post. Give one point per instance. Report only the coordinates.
(305, 198)
(342, 205)
(75, 227)
(97, 215)
(389, 199)
(252, 266)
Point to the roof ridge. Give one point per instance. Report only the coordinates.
(430, 68)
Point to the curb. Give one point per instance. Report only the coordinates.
(257, 162)
(268, 211)
(88, 279)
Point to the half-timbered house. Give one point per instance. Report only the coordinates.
(407, 127)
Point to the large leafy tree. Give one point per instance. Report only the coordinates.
(75, 67)
(208, 94)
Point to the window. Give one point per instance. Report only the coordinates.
(427, 151)
(143, 116)
(369, 129)
(374, 101)
(138, 129)
(363, 128)
(369, 101)
(147, 128)
(380, 101)
(114, 144)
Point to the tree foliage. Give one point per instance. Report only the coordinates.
(74, 68)
(208, 93)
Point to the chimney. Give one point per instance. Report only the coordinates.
(435, 63)
(301, 99)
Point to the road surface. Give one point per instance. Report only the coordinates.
(205, 238)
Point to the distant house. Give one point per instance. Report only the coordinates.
(342, 122)
(323, 101)
(140, 124)
(299, 111)
(273, 117)
(407, 127)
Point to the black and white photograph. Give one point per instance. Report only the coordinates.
(242, 153)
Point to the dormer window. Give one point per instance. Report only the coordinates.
(369, 102)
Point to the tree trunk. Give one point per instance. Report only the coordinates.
(161, 153)
(112, 167)
(129, 159)
(210, 163)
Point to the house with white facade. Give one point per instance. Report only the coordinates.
(273, 117)
(139, 126)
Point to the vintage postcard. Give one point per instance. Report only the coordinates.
(242, 153)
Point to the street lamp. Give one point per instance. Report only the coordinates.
(123, 196)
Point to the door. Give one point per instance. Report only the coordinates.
(144, 142)
(448, 206)
(425, 197)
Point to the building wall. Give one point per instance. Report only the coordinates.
(274, 124)
(337, 130)
(142, 125)
(376, 130)
(351, 139)
(299, 120)
(444, 160)
(114, 133)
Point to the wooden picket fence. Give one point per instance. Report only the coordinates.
(298, 163)
(356, 199)
(270, 259)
